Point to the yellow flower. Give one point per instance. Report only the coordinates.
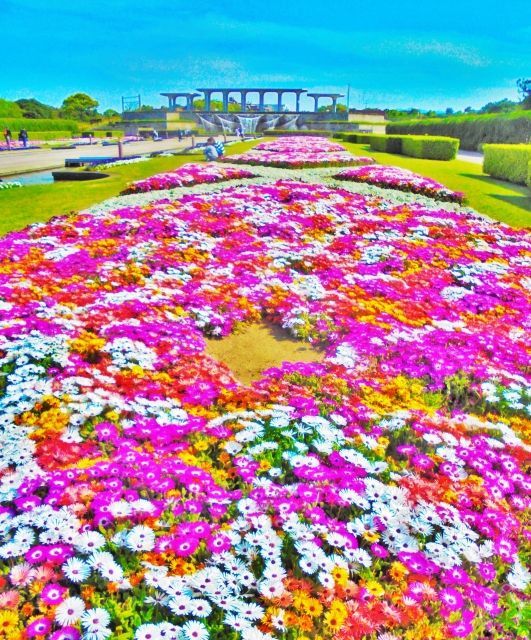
(340, 576)
(338, 608)
(398, 571)
(188, 568)
(371, 536)
(312, 607)
(333, 622)
(112, 415)
(8, 621)
(375, 588)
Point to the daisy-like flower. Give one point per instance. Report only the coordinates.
(69, 611)
(21, 575)
(66, 633)
(238, 623)
(53, 594)
(194, 630)
(76, 570)
(90, 541)
(148, 632)
(95, 619)
(39, 627)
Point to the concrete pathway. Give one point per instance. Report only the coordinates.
(470, 156)
(13, 162)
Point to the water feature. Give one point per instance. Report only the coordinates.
(31, 178)
(248, 124)
(207, 125)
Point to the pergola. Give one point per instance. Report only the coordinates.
(172, 99)
(243, 94)
(332, 96)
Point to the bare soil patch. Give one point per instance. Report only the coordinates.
(258, 347)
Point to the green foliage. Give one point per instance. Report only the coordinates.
(472, 130)
(16, 124)
(110, 113)
(32, 108)
(502, 106)
(9, 109)
(529, 175)
(430, 147)
(48, 135)
(115, 133)
(507, 161)
(80, 106)
(390, 144)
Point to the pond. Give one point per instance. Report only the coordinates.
(34, 177)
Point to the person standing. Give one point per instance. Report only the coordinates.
(7, 136)
(179, 134)
(23, 137)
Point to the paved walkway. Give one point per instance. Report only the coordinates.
(13, 162)
(470, 156)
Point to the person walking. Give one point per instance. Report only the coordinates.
(179, 134)
(210, 150)
(8, 137)
(23, 137)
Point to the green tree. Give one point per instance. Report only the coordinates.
(502, 106)
(524, 88)
(110, 113)
(34, 109)
(80, 105)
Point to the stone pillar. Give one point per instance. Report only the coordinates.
(261, 101)
(315, 103)
(297, 101)
(189, 102)
(225, 101)
(207, 100)
(243, 100)
(334, 105)
(279, 105)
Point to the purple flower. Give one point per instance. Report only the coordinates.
(38, 627)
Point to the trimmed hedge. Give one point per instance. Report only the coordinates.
(430, 147)
(47, 135)
(356, 138)
(507, 161)
(389, 144)
(472, 131)
(41, 124)
(529, 175)
(115, 133)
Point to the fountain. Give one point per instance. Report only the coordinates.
(248, 124)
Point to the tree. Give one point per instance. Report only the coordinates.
(34, 109)
(502, 106)
(80, 105)
(110, 113)
(449, 111)
(468, 109)
(524, 87)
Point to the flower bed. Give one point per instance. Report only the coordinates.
(401, 179)
(296, 160)
(108, 164)
(146, 494)
(10, 184)
(187, 175)
(309, 144)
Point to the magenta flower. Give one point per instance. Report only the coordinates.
(218, 543)
(38, 627)
(185, 546)
(53, 593)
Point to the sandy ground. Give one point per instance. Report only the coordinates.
(258, 347)
(13, 162)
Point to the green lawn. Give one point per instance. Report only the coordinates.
(504, 201)
(38, 203)
(501, 200)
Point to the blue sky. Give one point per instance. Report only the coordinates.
(456, 53)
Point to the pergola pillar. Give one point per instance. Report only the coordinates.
(315, 103)
(279, 105)
(334, 105)
(207, 100)
(297, 101)
(225, 101)
(244, 100)
(261, 101)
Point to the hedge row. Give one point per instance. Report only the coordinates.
(114, 133)
(428, 147)
(40, 124)
(509, 162)
(472, 132)
(46, 135)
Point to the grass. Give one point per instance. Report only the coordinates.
(503, 201)
(500, 200)
(39, 203)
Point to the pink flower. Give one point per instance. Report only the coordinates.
(451, 598)
(185, 546)
(218, 543)
(53, 593)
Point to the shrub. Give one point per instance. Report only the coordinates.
(430, 147)
(47, 135)
(9, 110)
(507, 161)
(472, 131)
(114, 133)
(389, 144)
(529, 175)
(16, 124)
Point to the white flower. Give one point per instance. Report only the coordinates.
(194, 630)
(141, 538)
(148, 632)
(69, 611)
(95, 619)
(271, 589)
(89, 541)
(76, 570)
